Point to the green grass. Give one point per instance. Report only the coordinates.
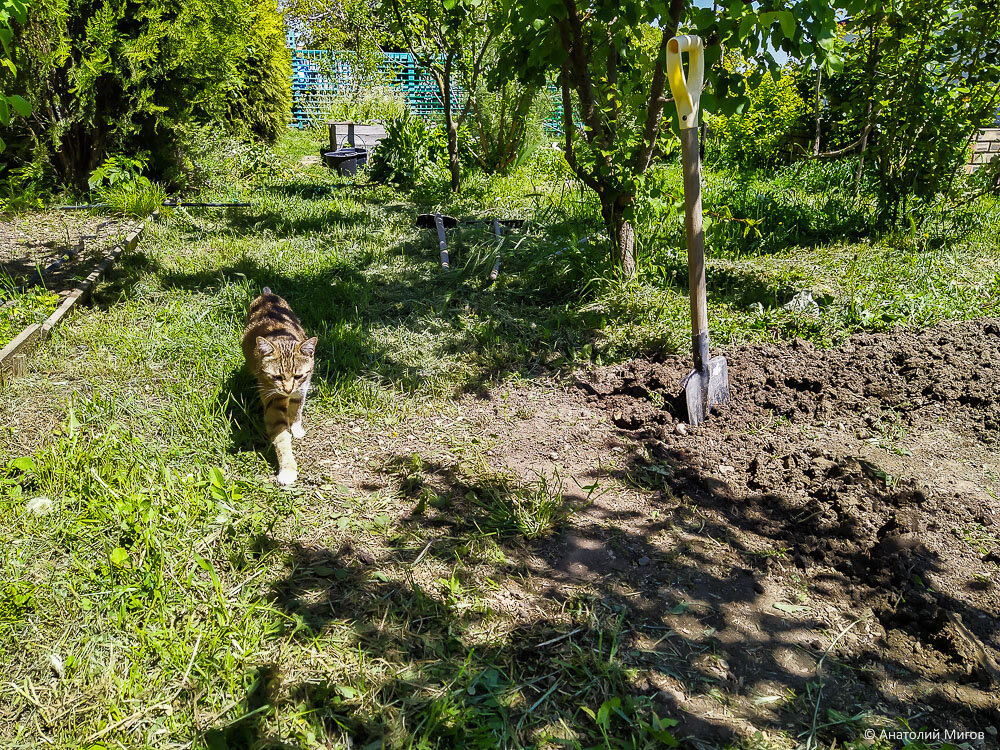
(20, 308)
(173, 596)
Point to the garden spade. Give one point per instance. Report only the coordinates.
(708, 383)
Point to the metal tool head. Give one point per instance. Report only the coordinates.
(704, 389)
(426, 221)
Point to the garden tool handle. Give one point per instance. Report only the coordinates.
(693, 230)
(442, 241)
(686, 89)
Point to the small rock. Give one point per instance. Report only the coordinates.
(366, 557)
(643, 561)
(725, 469)
(40, 506)
(355, 430)
(56, 662)
(803, 302)
(680, 428)
(553, 455)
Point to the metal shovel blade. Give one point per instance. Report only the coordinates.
(704, 389)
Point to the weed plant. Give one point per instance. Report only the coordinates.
(20, 308)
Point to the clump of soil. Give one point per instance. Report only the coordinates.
(873, 470)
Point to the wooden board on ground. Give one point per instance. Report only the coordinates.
(13, 357)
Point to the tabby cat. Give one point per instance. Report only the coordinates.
(279, 354)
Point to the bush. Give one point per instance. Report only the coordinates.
(755, 136)
(117, 77)
(119, 184)
(136, 197)
(410, 152)
(205, 157)
(506, 126)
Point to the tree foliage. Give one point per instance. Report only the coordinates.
(935, 82)
(121, 76)
(11, 12)
(755, 135)
(610, 61)
(451, 40)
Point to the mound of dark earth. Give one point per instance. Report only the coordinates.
(870, 471)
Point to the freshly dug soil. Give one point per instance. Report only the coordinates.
(866, 474)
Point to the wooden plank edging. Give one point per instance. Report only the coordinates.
(14, 355)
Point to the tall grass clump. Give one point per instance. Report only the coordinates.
(368, 105)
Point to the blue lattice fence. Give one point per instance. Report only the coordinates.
(318, 76)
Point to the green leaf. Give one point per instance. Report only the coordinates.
(787, 21)
(24, 463)
(119, 557)
(833, 64)
(216, 477)
(4, 111)
(790, 608)
(20, 105)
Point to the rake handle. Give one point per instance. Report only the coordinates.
(695, 246)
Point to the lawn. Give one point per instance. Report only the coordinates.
(165, 593)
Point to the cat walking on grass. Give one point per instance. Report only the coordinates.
(281, 357)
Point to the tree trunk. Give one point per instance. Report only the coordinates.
(863, 147)
(453, 167)
(622, 233)
(869, 107)
(452, 127)
(819, 111)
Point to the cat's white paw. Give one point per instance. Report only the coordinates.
(298, 430)
(288, 476)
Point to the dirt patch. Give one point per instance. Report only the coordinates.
(869, 473)
(828, 541)
(34, 242)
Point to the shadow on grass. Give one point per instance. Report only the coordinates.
(245, 414)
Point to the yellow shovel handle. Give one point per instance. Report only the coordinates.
(686, 90)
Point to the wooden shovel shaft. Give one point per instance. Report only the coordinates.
(695, 246)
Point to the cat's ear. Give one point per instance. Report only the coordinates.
(264, 347)
(308, 347)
